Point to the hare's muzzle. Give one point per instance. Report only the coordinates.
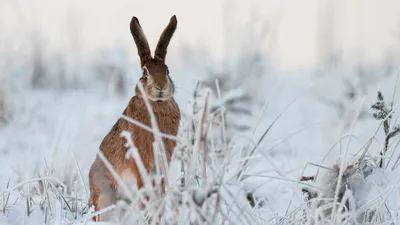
(160, 93)
(157, 92)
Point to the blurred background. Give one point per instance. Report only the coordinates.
(293, 35)
(68, 69)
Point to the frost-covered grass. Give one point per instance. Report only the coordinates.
(52, 137)
(296, 148)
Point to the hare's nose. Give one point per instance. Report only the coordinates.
(160, 88)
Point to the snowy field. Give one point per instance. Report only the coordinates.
(52, 136)
(299, 147)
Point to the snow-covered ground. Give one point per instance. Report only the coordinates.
(60, 97)
(55, 135)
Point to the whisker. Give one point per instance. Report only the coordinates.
(187, 90)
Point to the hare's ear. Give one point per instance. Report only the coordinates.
(140, 40)
(161, 49)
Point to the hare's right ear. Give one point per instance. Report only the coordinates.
(140, 40)
(163, 42)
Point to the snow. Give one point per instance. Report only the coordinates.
(48, 127)
(50, 136)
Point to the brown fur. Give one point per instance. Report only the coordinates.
(141, 41)
(162, 45)
(104, 190)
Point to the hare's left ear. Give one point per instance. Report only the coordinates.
(163, 42)
(140, 40)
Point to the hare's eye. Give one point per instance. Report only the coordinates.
(167, 70)
(144, 72)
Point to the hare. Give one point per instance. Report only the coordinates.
(159, 89)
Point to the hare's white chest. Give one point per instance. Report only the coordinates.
(128, 177)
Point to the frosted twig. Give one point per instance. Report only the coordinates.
(343, 160)
(156, 132)
(149, 129)
(35, 180)
(134, 153)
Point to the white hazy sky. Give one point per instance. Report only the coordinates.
(362, 29)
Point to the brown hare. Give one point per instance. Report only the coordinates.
(159, 89)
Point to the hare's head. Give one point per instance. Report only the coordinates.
(155, 79)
